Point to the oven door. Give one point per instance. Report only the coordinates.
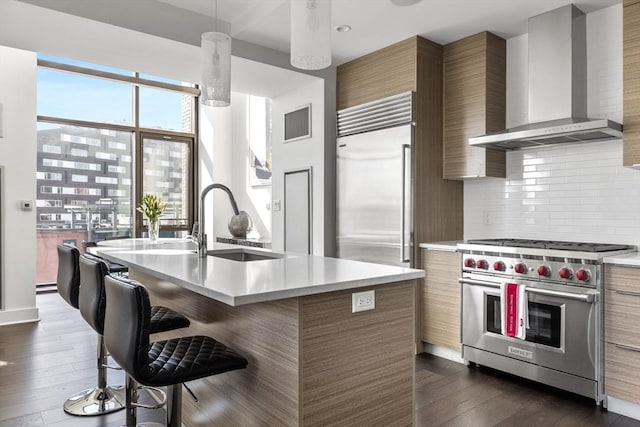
(562, 325)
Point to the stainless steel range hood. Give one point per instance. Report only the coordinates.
(557, 88)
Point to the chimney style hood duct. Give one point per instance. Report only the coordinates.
(557, 87)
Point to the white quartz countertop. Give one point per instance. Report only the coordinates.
(632, 259)
(238, 283)
(451, 245)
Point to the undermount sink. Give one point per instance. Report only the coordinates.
(243, 255)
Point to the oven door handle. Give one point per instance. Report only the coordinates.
(588, 298)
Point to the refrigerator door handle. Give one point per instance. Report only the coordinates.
(405, 256)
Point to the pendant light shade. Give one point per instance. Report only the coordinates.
(215, 49)
(216, 70)
(311, 34)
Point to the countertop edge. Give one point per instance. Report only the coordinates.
(275, 295)
(631, 260)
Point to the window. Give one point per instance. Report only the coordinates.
(46, 189)
(80, 140)
(51, 149)
(75, 96)
(70, 165)
(88, 130)
(162, 109)
(106, 156)
(49, 176)
(162, 176)
(55, 217)
(79, 153)
(116, 193)
(48, 203)
(108, 180)
(117, 145)
(116, 169)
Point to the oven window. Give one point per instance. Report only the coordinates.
(544, 321)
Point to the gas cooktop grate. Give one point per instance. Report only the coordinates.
(550, 244)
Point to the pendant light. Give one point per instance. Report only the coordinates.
(216, 66)
(311, 34)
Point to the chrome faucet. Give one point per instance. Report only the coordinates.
(198, 232)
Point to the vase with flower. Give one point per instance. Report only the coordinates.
(152, 207)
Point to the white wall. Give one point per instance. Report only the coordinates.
(576, 192)
(255, 200)
(225, 161)
(18, 158)
(300, 154)
(215, 165)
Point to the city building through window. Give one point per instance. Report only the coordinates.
(95, 125)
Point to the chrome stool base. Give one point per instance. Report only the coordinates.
(95, 401)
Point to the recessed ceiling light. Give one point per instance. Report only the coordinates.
(343, 28)
(405, 2)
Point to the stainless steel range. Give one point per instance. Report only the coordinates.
(563, 283)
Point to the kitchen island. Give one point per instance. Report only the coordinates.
(311, 360)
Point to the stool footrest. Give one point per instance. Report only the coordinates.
(158, 405)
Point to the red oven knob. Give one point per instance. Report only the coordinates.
(469, 263)
(583, 275)
(499, 266)
(520, 268)
(565, 273)
(483, 264)
(543, 271)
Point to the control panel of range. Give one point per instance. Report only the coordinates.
(531, 269)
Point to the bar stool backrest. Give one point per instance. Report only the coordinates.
(92, 299)
(127, 324)
(68, 280)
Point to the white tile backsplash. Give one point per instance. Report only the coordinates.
(575, 192)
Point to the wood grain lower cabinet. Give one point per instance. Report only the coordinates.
(441, 298)
(622, 332)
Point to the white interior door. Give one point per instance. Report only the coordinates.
(297, 211)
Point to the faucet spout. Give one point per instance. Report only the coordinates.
(202, 236)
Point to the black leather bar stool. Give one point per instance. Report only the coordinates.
(81, 283)
(157, 364)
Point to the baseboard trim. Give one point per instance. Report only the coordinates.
(22, 315)
(444, 352)
(622, 407)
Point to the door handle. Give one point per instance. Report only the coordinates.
(406, 197)
(588, 298)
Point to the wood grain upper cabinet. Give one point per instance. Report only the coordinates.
(474, 104)
(622, 332)
(631, 83)
(414, 65)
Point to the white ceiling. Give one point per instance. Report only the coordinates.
(375, 23)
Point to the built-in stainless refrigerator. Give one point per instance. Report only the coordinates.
(374, 181)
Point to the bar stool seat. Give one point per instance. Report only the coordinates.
(81, 283)
(157, 364)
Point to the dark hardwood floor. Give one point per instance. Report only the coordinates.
(41, 364)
